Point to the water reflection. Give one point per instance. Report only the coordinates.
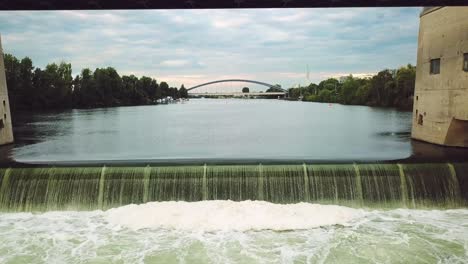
(217, 129)
(399, 135)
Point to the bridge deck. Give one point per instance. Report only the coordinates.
(237, 94)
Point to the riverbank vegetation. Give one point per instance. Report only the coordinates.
(31, 88)
(388, 88)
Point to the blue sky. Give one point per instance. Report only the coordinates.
(193, 46)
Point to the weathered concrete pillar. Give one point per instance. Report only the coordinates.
(440, 111)
(6, 128)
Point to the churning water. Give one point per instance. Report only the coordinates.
(195, 220)
(235, 232)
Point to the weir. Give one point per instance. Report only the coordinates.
(442, 185)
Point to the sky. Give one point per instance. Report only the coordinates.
(277, 46)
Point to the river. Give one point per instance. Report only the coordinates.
(215, 129)
(410, 213)
(230, 232)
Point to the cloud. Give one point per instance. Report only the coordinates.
(174, 63)
(223, 22)
(194, 46)
(102, 17)
(297, 16)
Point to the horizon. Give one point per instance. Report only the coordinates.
(286, 46)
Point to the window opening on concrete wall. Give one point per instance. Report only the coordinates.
(435, 66)
(465, 62)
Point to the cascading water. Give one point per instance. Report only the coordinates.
(356, 185)
(276, 214)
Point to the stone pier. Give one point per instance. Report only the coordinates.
(440, 112)
(6, 128)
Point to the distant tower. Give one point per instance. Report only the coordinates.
(440, 112)
(6, 128)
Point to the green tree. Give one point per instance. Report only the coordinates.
(294, 92)
(245, 89)
(76, 91)
(158, 92)
(379, 86)
(173, 92)
(25, 89)
(64, 84)
(164, 89)
(56, 86)
(129, 90)
(183, 92)
(145, 90)
(312, 88)
(326, 95)
(349, 89)
(311, 98)
(329, 84)
(39, 82)
(275, 89)
(405, 82)
(108, 86)
(87, 96)
(362, 94)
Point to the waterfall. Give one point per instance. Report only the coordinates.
(357, 185)
(42, 189)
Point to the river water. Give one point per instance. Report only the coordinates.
(219, 231)
(215, 129)
(235, 232)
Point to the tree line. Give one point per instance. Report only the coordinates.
(388, 88)
(32, 88)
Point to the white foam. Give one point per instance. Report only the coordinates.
(229, 215)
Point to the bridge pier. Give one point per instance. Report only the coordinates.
(440, 110)
(6, 127)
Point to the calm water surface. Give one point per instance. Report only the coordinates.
(215, 129)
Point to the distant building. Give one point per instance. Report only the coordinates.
(440, 112)
(6, 129)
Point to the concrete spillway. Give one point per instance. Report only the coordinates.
(441, 185)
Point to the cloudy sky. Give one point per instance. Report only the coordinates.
(194, 46)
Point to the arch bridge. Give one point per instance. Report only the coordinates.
(280, 92)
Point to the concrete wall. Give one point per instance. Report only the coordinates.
(6, 128)
(440, 112)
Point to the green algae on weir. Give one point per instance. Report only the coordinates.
(443, 185)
